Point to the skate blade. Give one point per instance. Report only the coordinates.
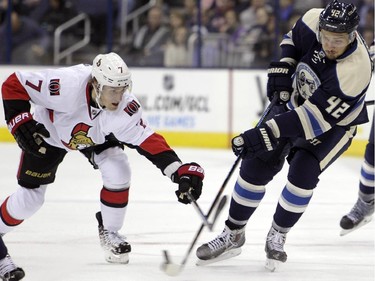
(365, 221)
(226, 255)
(272, 265)
(120, 259)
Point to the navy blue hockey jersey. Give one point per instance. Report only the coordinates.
(326, 92)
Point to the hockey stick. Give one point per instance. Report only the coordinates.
(199, 211)
(173, 269)
(369, 102)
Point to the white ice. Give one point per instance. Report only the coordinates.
(60, 242)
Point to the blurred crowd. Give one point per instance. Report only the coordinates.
(175, 33)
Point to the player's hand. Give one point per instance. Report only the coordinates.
(280, 81)
(254, 142)
(190, 179)
(29, 134)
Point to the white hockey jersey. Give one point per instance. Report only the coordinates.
(61, 99)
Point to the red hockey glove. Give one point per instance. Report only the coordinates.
(190, 179)
(29, 134)
(254, 142)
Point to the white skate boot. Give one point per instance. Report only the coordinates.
(9, 271)
(227, 245)
(116, 249)
(360, 215)
(275, 249)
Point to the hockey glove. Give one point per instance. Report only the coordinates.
(254, 142)
(29, 134)
(190, 179)
(280, 81)
(110, 141)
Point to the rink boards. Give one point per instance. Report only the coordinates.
(200, 108)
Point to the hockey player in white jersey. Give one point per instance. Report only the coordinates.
(90, 109)
(363, 210)
(326, 69)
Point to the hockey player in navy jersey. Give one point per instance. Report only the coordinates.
(363, 209)
(90, 109)
(325, 69)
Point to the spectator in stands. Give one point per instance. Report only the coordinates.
(57, 13)
(231, 25)
(29, 41)
(28, 7)
(259, 40)
(98, 12)
(176, 19)
(165, 7)
(264, 45)
(176, 50)
(3, 10)
(236, 33)
(241, 5)
(149, 42)
(34, 9)
(286, 9)
(174, 3)
(217, 14)
(248, 16)
(190, 13)
(367, 17)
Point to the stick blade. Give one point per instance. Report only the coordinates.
(171, 269)
(168, 267)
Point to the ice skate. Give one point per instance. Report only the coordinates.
(9, 271)
(360, 215)
(227, 245)
(116, 249)
(275, 249)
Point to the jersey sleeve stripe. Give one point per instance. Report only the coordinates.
(12, 89)
(312, 120)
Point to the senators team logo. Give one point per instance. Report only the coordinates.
(79, 138)
(132, 107)
(54, 87)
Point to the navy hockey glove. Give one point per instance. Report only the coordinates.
(190, 179)
(29, 134)
(280, 81)
(254, 142)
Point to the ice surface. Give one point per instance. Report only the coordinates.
(60, 242)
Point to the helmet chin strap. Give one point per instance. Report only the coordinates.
(97, 96)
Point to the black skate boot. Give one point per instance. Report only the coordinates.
(360, 214)
(115, 247)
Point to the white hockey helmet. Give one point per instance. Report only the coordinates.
(110, 70)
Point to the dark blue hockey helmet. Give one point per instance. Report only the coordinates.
(339, 17)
